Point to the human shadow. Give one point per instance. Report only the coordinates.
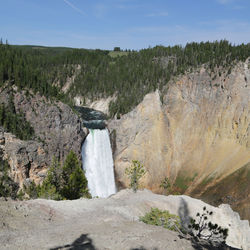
(83, 242)
(183, 213)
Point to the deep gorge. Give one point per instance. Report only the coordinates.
(192, 128)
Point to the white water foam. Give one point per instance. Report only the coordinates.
(98, 163)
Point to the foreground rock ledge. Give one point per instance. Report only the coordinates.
(111, 223)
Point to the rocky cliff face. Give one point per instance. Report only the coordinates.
(57, 131)
(27, 159)
(196, 137)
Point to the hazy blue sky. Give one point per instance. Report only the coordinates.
(130, 24)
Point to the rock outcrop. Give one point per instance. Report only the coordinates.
(196, 137)
(115, 224)
(27, 159)
(101, 104)
(57, 131)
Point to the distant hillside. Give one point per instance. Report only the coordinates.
(65, 73)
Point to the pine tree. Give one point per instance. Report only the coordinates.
(74, 181)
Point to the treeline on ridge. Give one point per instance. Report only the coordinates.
(129, 77)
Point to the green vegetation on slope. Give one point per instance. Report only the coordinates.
(14, 122)
(233, 190)
(8, 188)
(62, 182)
(65, 181)
(105, 73)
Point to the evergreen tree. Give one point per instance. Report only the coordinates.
(62, 182)
(74, 181)
(51, 187)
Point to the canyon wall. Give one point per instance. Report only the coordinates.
(57, 131)
(196, 135)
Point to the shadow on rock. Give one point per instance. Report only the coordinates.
(83, 242)
(183, 213)
(185, 218)
(141, 248)
(205, 246)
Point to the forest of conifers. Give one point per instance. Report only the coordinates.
(98, 74)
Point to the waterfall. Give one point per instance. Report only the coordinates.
(98, 163)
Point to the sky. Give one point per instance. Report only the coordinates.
(128, 24)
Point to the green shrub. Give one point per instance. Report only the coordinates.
(21, 195)
(32, 190)
(135, 172)
(49, 191)
(165, 184)
(201, 232)
(162, 218)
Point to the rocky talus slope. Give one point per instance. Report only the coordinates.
(111, 223)
(197, 137)
(57, 131)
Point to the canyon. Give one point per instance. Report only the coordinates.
(195, 133)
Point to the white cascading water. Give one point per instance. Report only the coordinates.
(98, 163)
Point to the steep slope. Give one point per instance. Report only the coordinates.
(197, 137)
(57, 130)
(233, 190)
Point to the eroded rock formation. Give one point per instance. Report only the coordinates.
(196, 137)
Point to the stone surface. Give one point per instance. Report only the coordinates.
(101, 104)
(27, 159)
(142, 135)
(197, 137)
(111, 223)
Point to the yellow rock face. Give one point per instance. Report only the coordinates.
(142, 137)
(197, 137)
